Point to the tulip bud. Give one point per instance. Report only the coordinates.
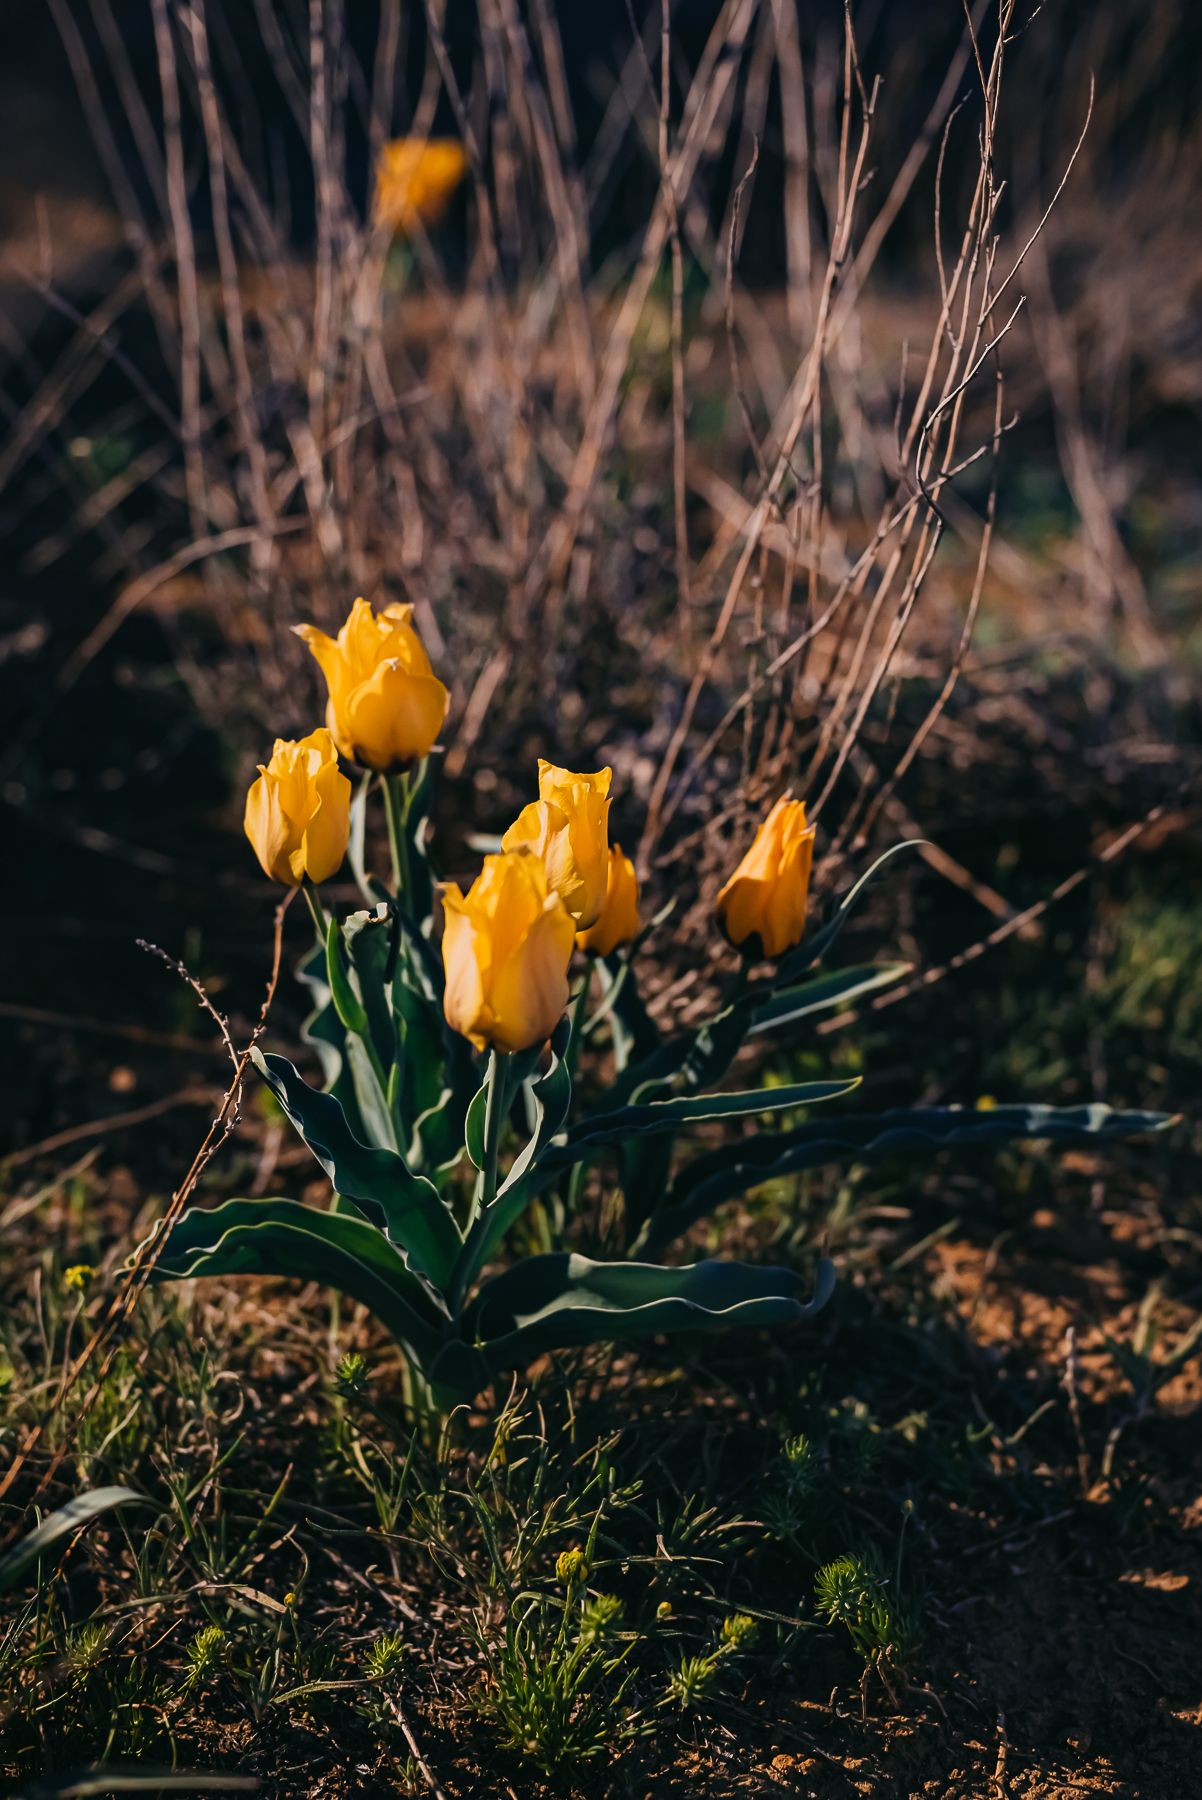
(298, 812)
(618, 920)
(766, 896)
(568, 827)
(386, 704)
(506, 948)
(415, 180)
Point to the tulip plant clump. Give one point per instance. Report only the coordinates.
(454, 1031)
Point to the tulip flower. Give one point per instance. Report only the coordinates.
(568, 827)
(415, 180)
(386, 704)
(766, 896)
(618, 920)
(506, 948)
(298, 812)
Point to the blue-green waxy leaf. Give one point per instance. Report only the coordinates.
(105, 1779)
(473, 1125)
(696, 1109)
(371, 1099)
(410, 1207)
(699, 1058)
(325, 1033)
(817, 943)
(62, 1523)
(99, 1781)
(367, 940)
(275, 1237)
(721, 1174)
(347, 1004)
(548, 1097)
(631, 1026)
(356, 849)
(823, 994)
(548, 1302)
(645, 1134)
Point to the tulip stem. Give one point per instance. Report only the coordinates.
(736, 987)
(396, 811)
(316, 910)
(494, 1117)
(579, 1009)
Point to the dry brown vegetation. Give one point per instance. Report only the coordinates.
(819, 418)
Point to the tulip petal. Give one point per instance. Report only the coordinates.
(618, 921)
(767, 893)
(267, 828)
(464, 997)
(530, 988)
(329, 828)
(386, 705)
(506, 949)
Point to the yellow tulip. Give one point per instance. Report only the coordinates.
(506, 947)
(298, 812)
(619, 917)
(568, 827)
(386, 706)
(415, 180)
(766, 896)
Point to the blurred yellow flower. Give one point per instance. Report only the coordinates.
(415, 180)
(568, 827)
(571, 1566)
(298, 812)
(386, 705)
(506, 948)
(766, 896)
(618, 920)
(77, 1277)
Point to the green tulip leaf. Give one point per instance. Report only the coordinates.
(104, 1779)
(819, 942)
(356, 850)
(548, 1097)
(410, 1206)
(276, 1237)
(697, 1109)
(631, 1026)
(347, 1003)
(722, 1174)
(368, 941)
(549, 1302)
(323, 1030)
(823, 994)
(473, 1125)
(64, 1522)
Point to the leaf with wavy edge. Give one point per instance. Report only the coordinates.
(282, 1237)
(549, 1096)
(696, 1109)
(721, 1174)
(550, 1302)
(823, 994)
(703, 1055)
(415, 1217)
